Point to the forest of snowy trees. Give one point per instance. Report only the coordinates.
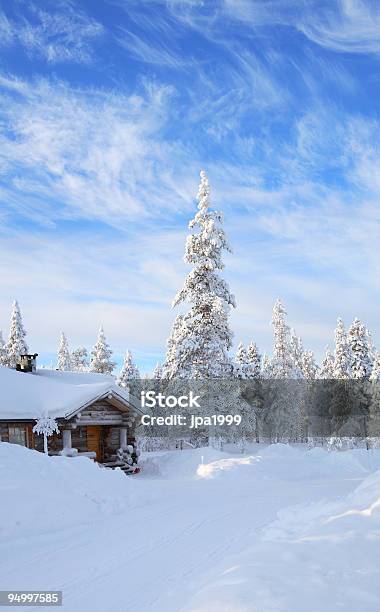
(78, 360)
(200, 341)
(281, 394)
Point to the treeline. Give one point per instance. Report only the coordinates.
(98, 360)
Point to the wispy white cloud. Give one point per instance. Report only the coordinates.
(65, 34)
(87, 153)
(219, 93)
(262, 13)
(77, 281)
(351, 26)
(153, 52)
(6, 32)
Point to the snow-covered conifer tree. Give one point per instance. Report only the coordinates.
(296, 351)
(327, 366)
(157, 372)
(282, 365)
(254, 361)
(361, 363)
(309, 367)
(46, 426)
(267, 367)
(129, 371)
(371, 347)
(199, 344)
(286, 400)
(281, 332)
(375, 373)
(101, 355)
(342, 353)
(172, 365)
(16, 344)
(79, 359)
(64, 360)
(241, 362)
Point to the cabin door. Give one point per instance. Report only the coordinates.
(94, 441)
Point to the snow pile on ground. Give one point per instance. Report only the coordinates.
(277, 461)
(41, 492)
(178, 465)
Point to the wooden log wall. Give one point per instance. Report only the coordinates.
(113, 438)
(79, 438)
(4, 432)
(100, 411)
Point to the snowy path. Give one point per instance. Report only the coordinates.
(180, 537)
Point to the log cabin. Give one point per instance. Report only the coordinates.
(95, 417)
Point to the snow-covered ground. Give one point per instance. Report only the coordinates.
(280, 529)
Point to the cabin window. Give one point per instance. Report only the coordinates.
(17, 435)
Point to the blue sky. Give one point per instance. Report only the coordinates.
(108, 110)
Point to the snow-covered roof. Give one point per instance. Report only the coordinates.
(58, 394)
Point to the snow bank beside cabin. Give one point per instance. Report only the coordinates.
(176, 464)
(42, 493)
(274, 462)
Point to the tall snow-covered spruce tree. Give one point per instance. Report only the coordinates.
(360, 350)
(342, 365)
(200, 340)
(101, 355)
(282, 364)
(129, 372)
(16, 344)
(157, 372)
(296, 350)
(254, 361)
(79, 359)
(375, 374)
(64, 359)
(309, 368)
(241, 366)
(328, 366)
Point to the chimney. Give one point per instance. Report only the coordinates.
(27, 363)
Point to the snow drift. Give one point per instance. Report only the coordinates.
(39, 493)
(277, 461)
